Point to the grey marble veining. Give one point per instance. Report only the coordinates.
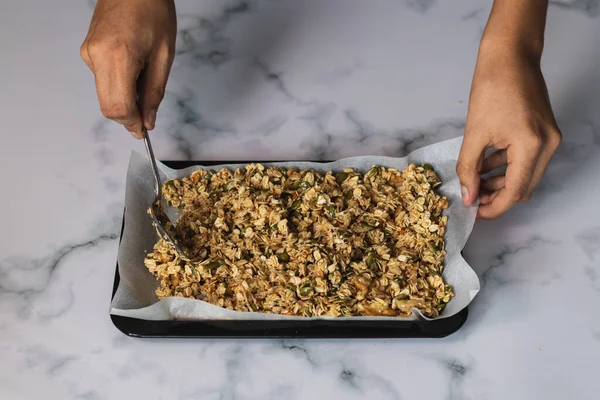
(282, 79)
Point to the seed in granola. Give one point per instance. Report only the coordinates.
(283, 257)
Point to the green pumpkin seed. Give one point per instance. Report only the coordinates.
(283, 257)
(364, 227)
(433, 247)
(303, 185)
(372, 261)
(340, 177)
(374, 171)
(212, 265)
(306, 289)
(331, 211)
(228, 186)
(195, 272)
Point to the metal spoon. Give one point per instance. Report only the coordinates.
(156, 211)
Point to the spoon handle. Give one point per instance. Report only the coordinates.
(157, 184)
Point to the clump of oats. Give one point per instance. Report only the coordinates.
(296, 242)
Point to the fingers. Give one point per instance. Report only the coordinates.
(495, 160)
(469, 164)
(152, 86)
(490, 189)
(493, 184)
(522, 161)
(486, 198)
(116, 74)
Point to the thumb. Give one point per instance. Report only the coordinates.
(469, 165)
(152, 89)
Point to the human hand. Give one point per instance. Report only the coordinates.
(509, 110)
(130, 48)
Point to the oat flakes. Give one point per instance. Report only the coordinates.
(297, 242)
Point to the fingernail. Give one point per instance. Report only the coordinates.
(151, 119)
(136, 135)
(465, 193)
(134, 130)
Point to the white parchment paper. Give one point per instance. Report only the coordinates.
(135, 295)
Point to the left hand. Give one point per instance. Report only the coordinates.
(509, 110)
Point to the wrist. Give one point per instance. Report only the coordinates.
(502, 58)
(511, 47)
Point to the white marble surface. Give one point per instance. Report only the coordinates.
(290, 79)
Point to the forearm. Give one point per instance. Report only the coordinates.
(516, 26)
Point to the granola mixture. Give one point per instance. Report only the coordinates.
(297, 242)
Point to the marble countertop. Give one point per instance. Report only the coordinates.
(276, 80)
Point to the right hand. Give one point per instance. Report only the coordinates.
(130, 49)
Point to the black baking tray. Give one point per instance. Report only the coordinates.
(338, 328)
